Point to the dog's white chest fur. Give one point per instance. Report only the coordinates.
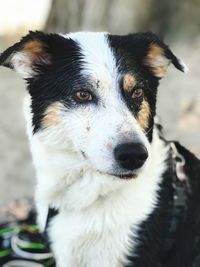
(90, 239)
(99, 216)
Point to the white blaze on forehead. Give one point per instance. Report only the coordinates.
(99, 60)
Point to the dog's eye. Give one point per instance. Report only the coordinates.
(137, 93)
(83, 96)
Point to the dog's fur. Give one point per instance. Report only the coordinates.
(108, 216)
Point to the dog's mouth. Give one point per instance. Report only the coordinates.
(125, 176)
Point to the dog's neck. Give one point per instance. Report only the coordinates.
(66, 183)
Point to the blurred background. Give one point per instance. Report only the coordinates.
(177, 22)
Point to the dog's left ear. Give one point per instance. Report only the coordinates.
(33, 51)
(158, 56)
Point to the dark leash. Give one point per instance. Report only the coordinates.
(182, 246)
(181, 190)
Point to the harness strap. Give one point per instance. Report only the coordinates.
(181, 191)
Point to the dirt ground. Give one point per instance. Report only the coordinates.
(178, 108)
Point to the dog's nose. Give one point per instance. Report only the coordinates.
(130, 156)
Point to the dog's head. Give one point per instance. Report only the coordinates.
(94, 93)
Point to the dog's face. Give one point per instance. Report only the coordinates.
(94, 94)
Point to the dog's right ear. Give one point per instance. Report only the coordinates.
(34, 50)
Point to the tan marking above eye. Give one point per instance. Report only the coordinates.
(83, 96)
(129, 82)
(143, 115)
(137, 93)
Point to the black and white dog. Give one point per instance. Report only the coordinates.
(99, 158)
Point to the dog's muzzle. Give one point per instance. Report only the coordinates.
(130, 156)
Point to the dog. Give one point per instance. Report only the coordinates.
(100, 159)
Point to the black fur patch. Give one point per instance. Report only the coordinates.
(129, 51)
